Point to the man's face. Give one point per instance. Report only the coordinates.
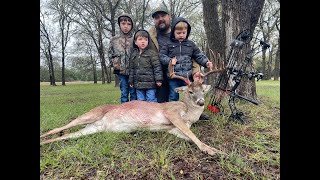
(125, 26)
(162, 21)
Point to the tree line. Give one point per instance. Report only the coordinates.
(75, 34)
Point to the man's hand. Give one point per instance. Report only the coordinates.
(197, 76)
(209, 64)
(131, 85)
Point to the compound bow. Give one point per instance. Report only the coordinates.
(230, 78)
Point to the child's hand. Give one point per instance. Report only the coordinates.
(209, 64)
(174, 61)
(159, 84)
(197, 76)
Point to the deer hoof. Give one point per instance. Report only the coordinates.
(211, 151)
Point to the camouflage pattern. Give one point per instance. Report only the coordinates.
(119, 50)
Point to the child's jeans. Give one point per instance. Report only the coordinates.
(175, 83)
(146, 95)
(126, 90)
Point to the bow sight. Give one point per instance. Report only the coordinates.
(230, 78)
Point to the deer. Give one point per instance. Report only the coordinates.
(174, 117)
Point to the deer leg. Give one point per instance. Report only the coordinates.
(87, 118)
(176, 120)
(89, 129)
(57, 130)
(178, 133)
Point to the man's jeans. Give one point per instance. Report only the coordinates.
(146, 95)
(162, 92)
(126, 90)
(175, 83)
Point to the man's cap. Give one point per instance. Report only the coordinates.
(161, 8)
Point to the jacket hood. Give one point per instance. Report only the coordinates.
(134, 37)
(175, 22)
(132, 21)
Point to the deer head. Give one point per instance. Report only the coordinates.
(194, 92)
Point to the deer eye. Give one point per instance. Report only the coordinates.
(190, 92)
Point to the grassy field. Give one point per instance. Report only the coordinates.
(253, 148)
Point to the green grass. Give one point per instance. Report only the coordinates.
(253, 148)
(269, 89)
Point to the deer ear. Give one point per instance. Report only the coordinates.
(181, 89)
(206, 88)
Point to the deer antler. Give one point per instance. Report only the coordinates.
(173, 76)
(217, 58)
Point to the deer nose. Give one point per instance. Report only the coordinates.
(200, 102)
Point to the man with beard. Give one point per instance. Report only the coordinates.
(160, 36)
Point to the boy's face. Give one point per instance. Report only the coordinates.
(125, 26)
(180, 35)
(141, 42)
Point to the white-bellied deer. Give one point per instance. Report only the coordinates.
(175, 117)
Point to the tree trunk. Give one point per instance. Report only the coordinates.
(110, 73)
(94, 69)
(52, 79)
(113, 19)
(95, 79)
(264, 64)
(101, 51)
(143, 14)
(276, 73)
(46, 53)
(103, 79)
(212, 26)
(238, 15)
(269, 67)
(61, 23)
(103, 65)
(63, 79)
